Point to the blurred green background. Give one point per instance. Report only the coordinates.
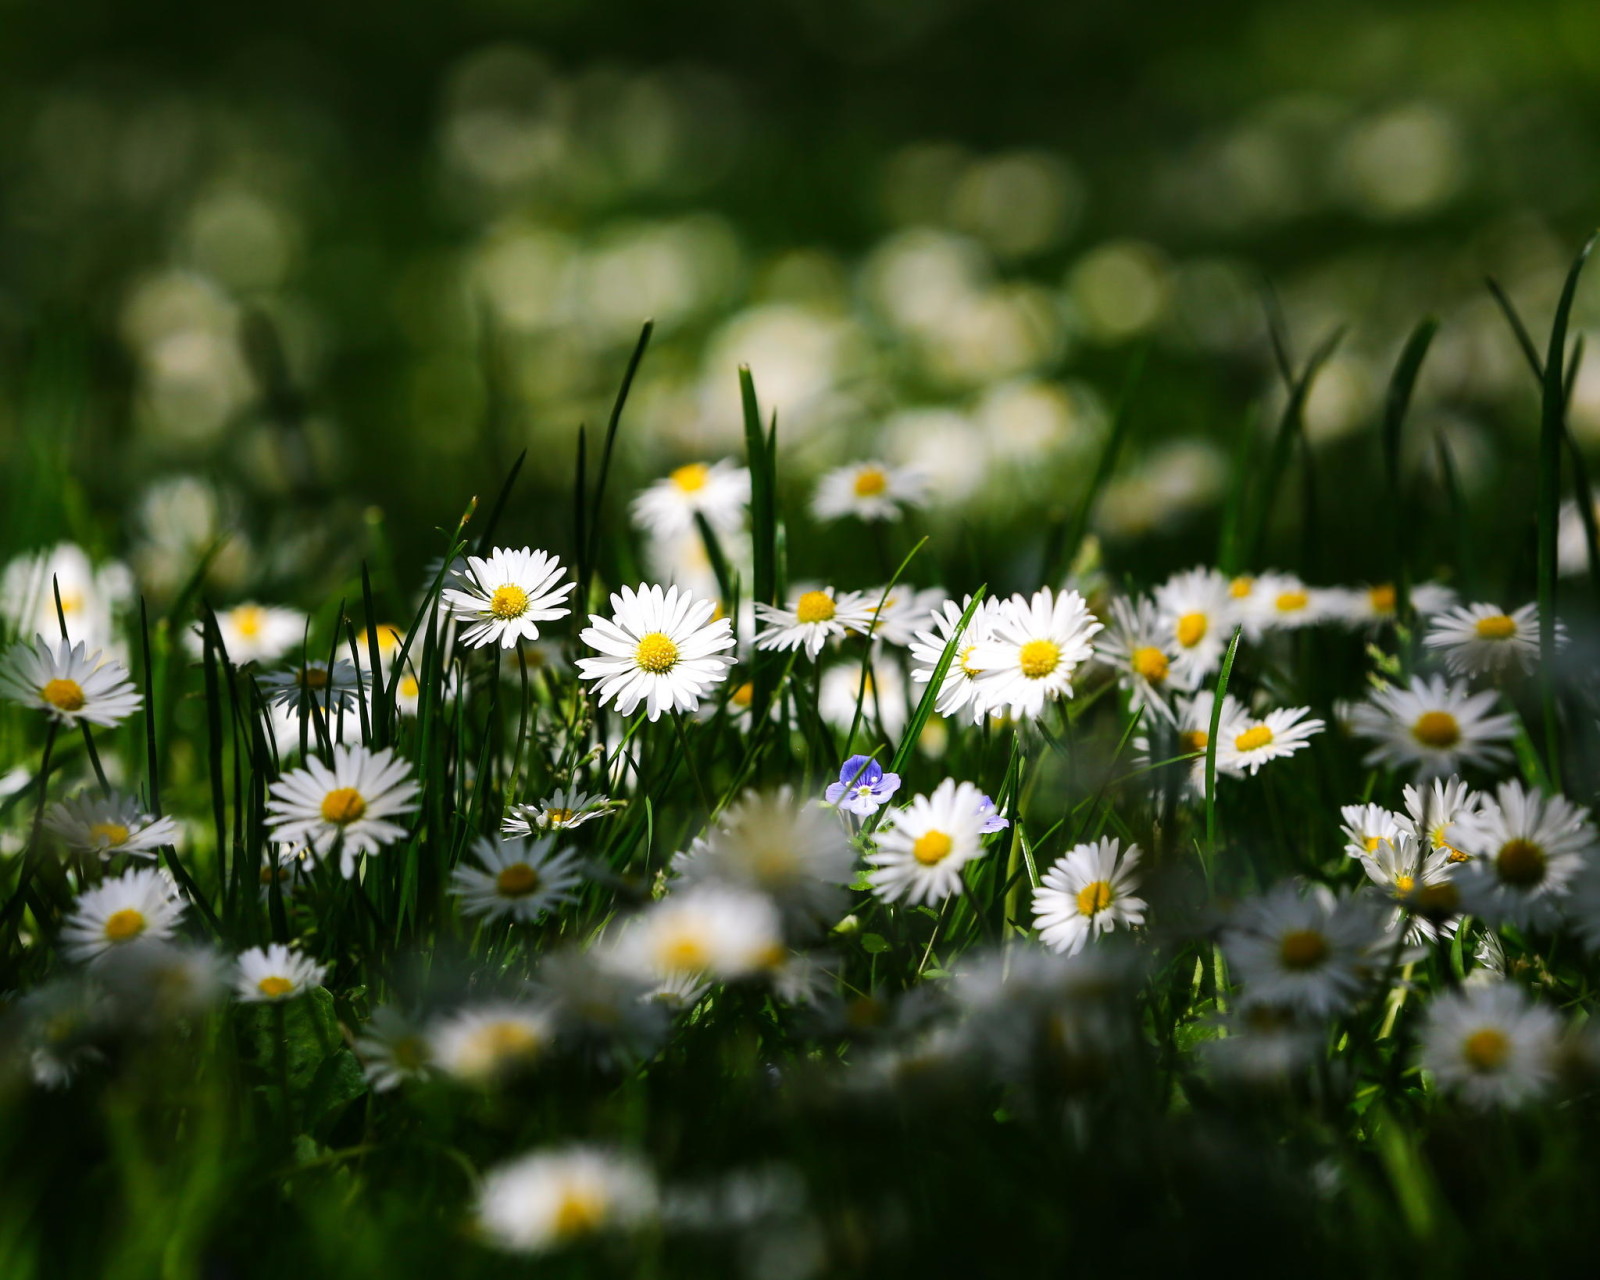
(935, 230)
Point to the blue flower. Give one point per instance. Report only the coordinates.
(863, 786)
(992, 821)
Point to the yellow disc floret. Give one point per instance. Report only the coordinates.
(274, 987)
(111, 834)
(1302, 949)
(1436, 729)
(1520, 862)
(691, 478)
(1381, 598)
(1194, 740)
(1253, 738)
(1241, 586)
(870, 482)
(509, 601)
(517, 881)
(932, 848)
(1094, 898)
(125, 924)
(1496, 627)
(656, 653)
(342, 806)
(1192, 628)
(1038, 658)
(1486, 1049)
(1291, 601)
(1150, 663)
(247, 620)
(814, 606)
(64, 695)
(580, 1213)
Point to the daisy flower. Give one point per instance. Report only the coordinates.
(521, 878)
(1490, 1044)
(1366, 826)
(255, 633)
(62, 1022)
(923, 847)
(869, 491)
(1420, 881)
(1141, 652)
(1196, 612)
(883, 702)
(1478, 639)
(1434, 726)
(1526, 849)
(347, 807)
(1033, 648)
(90, 596)
(67, 686)
(141, 903)
(337, 688)
(553, 1199)
(1431, 814)
(485, 1043)
(1371, 606)
(959, 688)
(1192, 735)
(661, 648)
(1247, 742)
(1312, 952)
(393, 1050)
(720, 492)
(811, 620)
(274, 972)
(705, 930)
(502, 599)
(109, 825)
(600, 1011)
(1089, 891)
(863, 787)
(562, 811)
(1572, 540)
(157, 981)
(390, 640)
(902, 612)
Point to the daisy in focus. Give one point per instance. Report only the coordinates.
(275, 972)
(142, 903)
(1033, 648)
(520, 878)
(869, 491)
(1490, 1044)
(1432, 812)
(349, 806)
(1247, 742)
(1088, 892)
(105, 826)
(719, 491)
(501, 599)
(659, 647)
(552, 1199)
(811, 620)
(1311, 951)
(562, 811)
(1478, 639)
(1525, 851)
(336, 688)
(1366, 826)
(1141, 652)
(67, 686)
(1197, 612)
(923, 847)
(959, 688)
(863, 787)
(1433, 726)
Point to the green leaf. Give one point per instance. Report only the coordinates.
(874, 944)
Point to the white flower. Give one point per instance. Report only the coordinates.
(331, 689)
(140, 904)
(89, 596)
(1141, 652)
(1478, 639)
(1087, 892)
(1434, 725)
(347, 807)
(812, 620)
(903, 611)
(485, 1043)
(390, 641)
(562, 811)
(392, 1049)
(869, 491)
(502, 599)
(1525, 849)
(659, 648)
(1366, 826)
(1489, 1043)
(1572, 540)
(521, 878)
(1372, 606)
(1275, 602)
(67, 686)
(1419, 880)
(1193, 735)
(1033, 648)
(919, 856)
(552, 1199)
(109, 825)
(882, 704)
(959, 688)
(1198, 614)
(1432, 812)
(720, 492)
(156, 980)
(1247, 742)
(254, 633)
(702, 931)
(1311, 952)
(274, 972)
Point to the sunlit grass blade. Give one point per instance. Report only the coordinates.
(597, 506)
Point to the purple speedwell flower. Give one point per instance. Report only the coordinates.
(863, 786)
(992, 821)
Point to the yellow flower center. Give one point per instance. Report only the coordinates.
(966, 661)
(656, 653)
(516, 881)
(1192, 629)
(1094, 898)
(1150, 663)
(1372, 843)
(1194, 740)
(814, 606)
(1520, 862)
(275, 988)
(1486, 1049)
(247, 619)
(111, 834)
(497, 1041)
(691, 478)
(63, 695)
(343, 806)
(409, 688)
(1496, 627)
(684, 954)
(1292, 601)
(931, 848)
(580, 1213)
(123, 925)
(1439, 900)
(744, 695)
(1436, 729)
(1039, 658)
(1404, 883)
(71, 602)
(557, 817)
(509, 601)
(1241, 586)
(312, 678)
(870, 482)
(1381, 598)
(1302, 949)
(1253, 738)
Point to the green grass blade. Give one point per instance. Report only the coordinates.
(1398, 400)
(1211, 743)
